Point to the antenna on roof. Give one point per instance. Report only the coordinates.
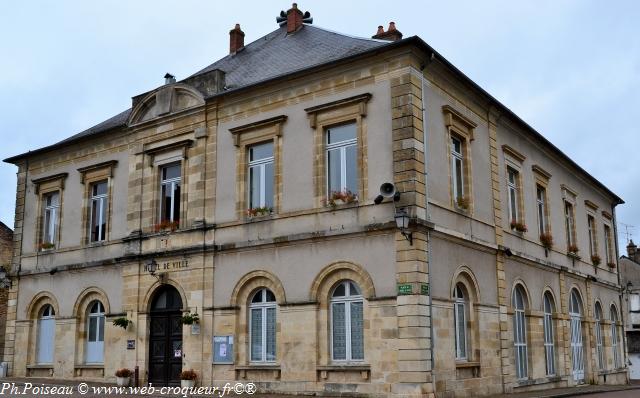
(627, 230)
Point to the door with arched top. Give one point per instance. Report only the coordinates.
(165, 337)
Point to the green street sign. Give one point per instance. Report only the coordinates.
(404, 289)
(424, 289)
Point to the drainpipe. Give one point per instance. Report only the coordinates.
(426, 190)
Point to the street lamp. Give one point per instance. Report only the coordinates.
(152, 267)
(402, 222)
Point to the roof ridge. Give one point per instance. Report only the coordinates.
(348, 35)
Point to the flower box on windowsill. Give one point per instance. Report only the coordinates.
(46, 246)
(572, 251)
(518, 227)
(463, 204)
(338, 199)
(166, 226)
(612, 265)
(259, 213)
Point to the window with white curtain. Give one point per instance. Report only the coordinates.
(593, 242)
(347, 332)
(341, 157)
(261, 178)
(599, 333)
(634, 302)
(549, 345)
(170, 181)
(460, 315)
(50, 217)
(569, 223)
(457, 168)
(98, 215)
(617, 363)
(262, 326)
(541, 204)
(512, 189)
(520, 332)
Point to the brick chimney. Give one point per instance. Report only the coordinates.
(632, 250)
(294, 18)
(236, 39)
(392, 34)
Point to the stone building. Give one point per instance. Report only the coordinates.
(630, 282)
(6, 255)
(248, 193)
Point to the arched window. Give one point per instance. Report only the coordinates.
(614, 338)
(577, 357)
(599, 332)
(347, 334)
(460, 309)
(262, 326)
(549, 346)
(95, 333)
(46, 335)
(520, 332)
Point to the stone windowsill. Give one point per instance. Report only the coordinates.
(612, 371)
(40, 366)
(468, 364)
(258, 366)
(347, 367)
(89, 366)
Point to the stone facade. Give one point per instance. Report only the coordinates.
(6, 255)
(406, 103)
(630, 282)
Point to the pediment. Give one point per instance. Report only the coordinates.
(165, 101)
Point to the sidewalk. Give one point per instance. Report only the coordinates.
(569, 391)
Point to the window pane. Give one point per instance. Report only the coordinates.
(93, 328)
(256, 334)
(513, 205)
(338, 331)
(461, 334)
(254, 187)
(101, 328)
(333, 168)
(457, 146)
(357, 336)
(261, 151)
(100, 188)
(103, 227)
(169, 172)
(635, 302)
(341, 133)
(176, 202)
(339, 292)
(53, 199)
(458, 173)
(165, 197)
(271, 334)
(270, 296)
(268, 184)
(352, 169)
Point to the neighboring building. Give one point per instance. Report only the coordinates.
(6, 255)
(630, 282)
(246, 193)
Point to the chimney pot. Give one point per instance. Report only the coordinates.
(169, 78)
(631, 250)
(236, 39)
(294, 18)
(392, 34)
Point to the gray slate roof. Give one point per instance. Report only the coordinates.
(273, 55)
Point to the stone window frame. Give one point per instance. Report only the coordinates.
(163, 155)
(570, 196)
(80, 312)
(335, 113)
(581, 318)
(465, 277)
(511, 311)
(616, 344)
(89, 176)
(263, 306)
(514, 160)
(608, 241)
(461, 128)
(346, 300)
(541, 178)
(255, 133)
(44, 186)
(592, 232)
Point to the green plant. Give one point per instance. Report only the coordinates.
(124, 372)
(122, 322)
(188, 375)
(547, 240)
(595, 259)
(46, 245)
(166, 225)
(519, 226)
(463, 202)
(259, 211)
(340, 197)
(190, 319)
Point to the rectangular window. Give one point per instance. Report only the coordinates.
(170, 177)
(341, 156)
(514, 201)
(634, 302)
(593, 243)
(50, 219)
(260, 174)
(541, 203)
(608, 246)
(98, 216)
(457, 169)
(569, 223)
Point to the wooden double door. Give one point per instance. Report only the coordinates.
(165, 338)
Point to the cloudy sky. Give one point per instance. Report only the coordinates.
(571, 69)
